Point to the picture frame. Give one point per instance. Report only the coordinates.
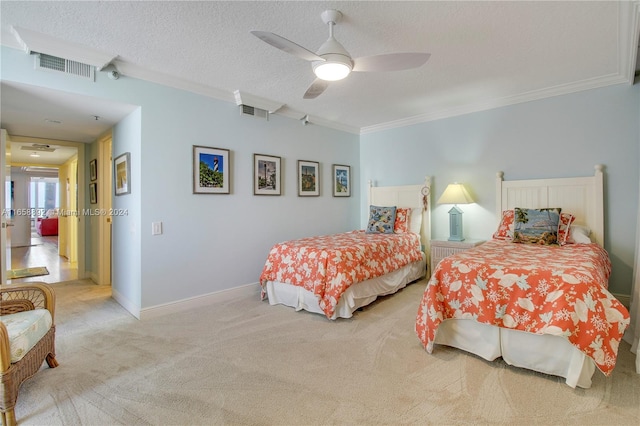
(308, 178)
(211, 170)
(93, 193)
(93, 170)
(122, 174)
(266, 175)
(341, 180)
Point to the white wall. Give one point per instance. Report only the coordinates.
(556, 137)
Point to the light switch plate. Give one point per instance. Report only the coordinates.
(156, 228)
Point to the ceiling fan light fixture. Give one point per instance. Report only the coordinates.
(332, 62)
(334, 67)
(337, 63)
(331, 71)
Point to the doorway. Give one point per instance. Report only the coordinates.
(45, 197)
(49, 194)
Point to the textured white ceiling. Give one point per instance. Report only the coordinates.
(483, 54)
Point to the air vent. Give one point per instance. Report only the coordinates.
(37, 147)
(67, 66)
(256, 112)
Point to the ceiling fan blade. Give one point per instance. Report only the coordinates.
(286, 45)
(390, 62)
(317, 87)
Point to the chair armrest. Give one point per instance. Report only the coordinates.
(27, 296)
(5, 351)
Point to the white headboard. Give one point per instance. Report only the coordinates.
(407, 196)
(581, 196)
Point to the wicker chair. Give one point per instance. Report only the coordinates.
(13, 299)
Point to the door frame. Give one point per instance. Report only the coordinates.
(5, 242)
(103, 273)
(82, 189)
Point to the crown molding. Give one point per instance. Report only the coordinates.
(629, 38)
(34, 42)
(133, 71)
(243, 98)
(534, 95)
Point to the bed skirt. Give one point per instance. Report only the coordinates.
(543, 353)
(356, 296)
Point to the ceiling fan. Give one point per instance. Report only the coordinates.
(332, 62)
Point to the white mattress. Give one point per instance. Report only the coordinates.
(356, 296)
(543, 353)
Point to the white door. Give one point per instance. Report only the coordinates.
(5, 208)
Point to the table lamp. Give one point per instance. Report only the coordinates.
(455, 194)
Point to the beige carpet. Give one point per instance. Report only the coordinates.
(244, 362)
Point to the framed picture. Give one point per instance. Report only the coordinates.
(122, 174)
(341, 180)
(93, 169)
(93, 193)
(308, 178)
(266, 175)
(211, 172)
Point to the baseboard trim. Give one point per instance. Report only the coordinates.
(126, 303)
(227, 294)
(93, 277)
(199, 301)
(625, 299)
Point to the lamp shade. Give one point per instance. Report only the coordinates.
(455, 193)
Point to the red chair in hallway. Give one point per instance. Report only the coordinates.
(47, 226)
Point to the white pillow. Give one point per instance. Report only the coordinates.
(579, 235)
(415, 221)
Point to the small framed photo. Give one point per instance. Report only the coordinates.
(93, 193)
(93, 169)
(341, 180)
(211, 170)
(308, 178)
(122, 174)
(266, 175)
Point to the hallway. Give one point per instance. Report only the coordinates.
(43, 251)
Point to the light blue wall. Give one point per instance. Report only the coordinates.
(557, 137)
(127, 229)
(91, 222)
(215, 242)
(210, 242)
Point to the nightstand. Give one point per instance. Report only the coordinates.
(441, 249)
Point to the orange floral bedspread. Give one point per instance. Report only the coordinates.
(328, 265)
(558, 290)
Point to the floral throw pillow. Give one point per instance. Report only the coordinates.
(505, 229)
(381, 220)
(401, 225)
(566, 219)
(536, 226)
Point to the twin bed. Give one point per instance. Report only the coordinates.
(541, 307)
(335, 275)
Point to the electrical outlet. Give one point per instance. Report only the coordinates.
(156, 228)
